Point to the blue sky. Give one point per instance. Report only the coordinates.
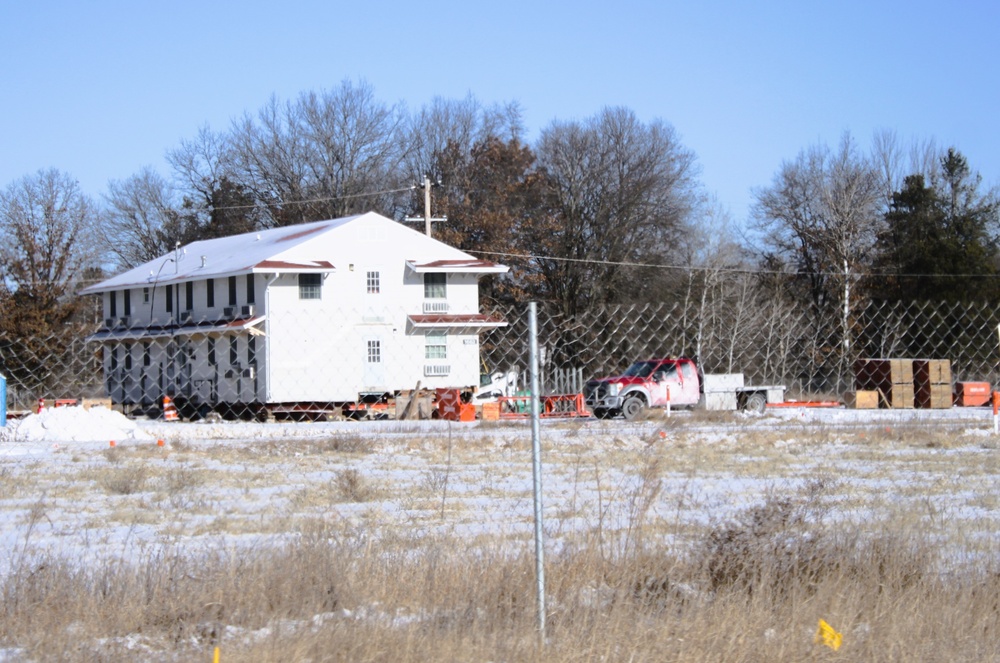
(100, 88)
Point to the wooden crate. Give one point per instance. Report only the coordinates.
(899, 396)
(882, 374)
(931, 371)
(491, 411)
(861, 400)
(936, 396)
(88, 403)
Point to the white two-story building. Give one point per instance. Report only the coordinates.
(309, 316)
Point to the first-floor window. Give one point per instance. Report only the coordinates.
(374, 283)
(234, 356)
(211, 351)
(436, 345)
(309, 286)
(374, 352)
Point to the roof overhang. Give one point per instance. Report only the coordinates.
(248, 325)
(282, 266)
(464, 321)
(457, 266)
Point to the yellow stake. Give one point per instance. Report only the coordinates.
(215, 659)
(828, 636)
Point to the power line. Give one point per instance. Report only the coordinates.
(722, 270)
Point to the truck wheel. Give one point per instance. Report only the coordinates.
(633, 407)
(756, 403)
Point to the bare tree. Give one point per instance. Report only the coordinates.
(46, 236)
(137, 220)
(821, 218)
(327, 155)
(456, 125)
(619, 190)
(47, 240)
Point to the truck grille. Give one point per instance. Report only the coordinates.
(595, 390)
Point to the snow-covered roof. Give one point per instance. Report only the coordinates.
(288, 249)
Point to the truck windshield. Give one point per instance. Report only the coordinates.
(640, 369)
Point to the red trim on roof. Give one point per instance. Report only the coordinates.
(281, 264)
(468, 319)
(443, 264)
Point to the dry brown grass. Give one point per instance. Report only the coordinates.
(331, 593)
(319, 550)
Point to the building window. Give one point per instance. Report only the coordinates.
(145, 295)
(146, 358)
(127, 304)
(128, 357)
(114, 359)
(170, 299)
(232, 291)
(435, 285)
(112, 304)
(234, 356)
(252, 351)
(374, 283)
(309, 286)
(211, 351)
(374, 352)
(189, 296)
(250, 292)
(210, 293)
(436, 345)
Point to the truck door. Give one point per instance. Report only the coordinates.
(666, 380)
(689, 390)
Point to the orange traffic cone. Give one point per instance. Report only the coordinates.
(169, 410)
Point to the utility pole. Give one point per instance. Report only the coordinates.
(427, 208)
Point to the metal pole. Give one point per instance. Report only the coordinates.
(536, 466)
(427, 205)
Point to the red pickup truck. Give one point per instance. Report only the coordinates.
(677, 382)
(647, 383)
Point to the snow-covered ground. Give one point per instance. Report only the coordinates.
(90, 484)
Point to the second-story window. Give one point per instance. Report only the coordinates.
(250, 289)
(127, 303)
(170, 299)
(112, 304)
(232, 291)
(210, 293)
(435, 285)
(436, 345)
(189, 296)
(310, 286)
(374, 283)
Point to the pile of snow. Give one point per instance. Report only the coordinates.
(74, 424)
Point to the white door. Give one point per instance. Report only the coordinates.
(374, 368)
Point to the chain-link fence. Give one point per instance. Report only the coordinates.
(341, 356)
